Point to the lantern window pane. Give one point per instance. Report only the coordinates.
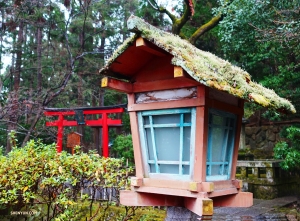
(221, 136)
(166, 140)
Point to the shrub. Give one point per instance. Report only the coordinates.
(36, 178)
(289, 152)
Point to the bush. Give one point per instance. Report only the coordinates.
(289, 152)
(123, 148)
(36, 178)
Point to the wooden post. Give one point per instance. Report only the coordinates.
(105, 135)
(60, 132)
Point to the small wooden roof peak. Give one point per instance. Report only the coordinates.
(204, 67)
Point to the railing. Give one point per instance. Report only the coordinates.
(266, 180)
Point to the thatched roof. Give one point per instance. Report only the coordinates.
(204, 67)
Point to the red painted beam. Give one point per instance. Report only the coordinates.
(105, 122)
(99, 122)
(108, 111)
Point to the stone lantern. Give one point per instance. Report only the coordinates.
(186, 108)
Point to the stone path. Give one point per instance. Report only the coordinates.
(262, 210)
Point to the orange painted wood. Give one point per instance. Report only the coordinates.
(242, 199)
(165, 84)
(129, 63)
(200, 206)
(130, 99)
(207, 187)
(200, 144)
(136, 145)
(169, 191)
(132, 198)
(136, 182)
(201, 137)
(149, 47)
(174, 184)
(237, 183)
(222, 192)
(117, 85)
(194, 102)
(237, 140)
(159, 68)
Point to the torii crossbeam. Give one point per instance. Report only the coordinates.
(80, 114)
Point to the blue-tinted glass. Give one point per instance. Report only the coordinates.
(149, 144)
(167, 143)
(171, 131)
(186, 143)
(167, 168)
(220, 143)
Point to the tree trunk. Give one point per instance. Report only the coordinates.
(14, 107)
(39, 36)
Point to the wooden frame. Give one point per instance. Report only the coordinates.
(180, 125)
(226, 150)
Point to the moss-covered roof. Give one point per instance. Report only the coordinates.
(204, 67)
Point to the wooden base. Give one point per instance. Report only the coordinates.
(201, 206)
(242, 199)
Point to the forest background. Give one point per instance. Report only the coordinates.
(51, 51)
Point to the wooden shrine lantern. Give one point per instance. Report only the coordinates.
(186, 108)
(73, 140)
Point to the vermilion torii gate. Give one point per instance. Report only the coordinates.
(80, 115)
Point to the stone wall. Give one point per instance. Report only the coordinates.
(261, 140)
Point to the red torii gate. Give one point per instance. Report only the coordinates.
(80, 114)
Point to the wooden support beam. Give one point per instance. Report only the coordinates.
(142, 44)
(178, 72)
(181, 75)
(167, 104)
(200, 206)
(174, 83)
(117, 85)
(242, 199)
(132, 198)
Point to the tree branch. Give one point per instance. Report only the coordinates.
(179, 23)
(163, 10)
(205, 28)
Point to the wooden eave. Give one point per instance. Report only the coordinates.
(133, 59)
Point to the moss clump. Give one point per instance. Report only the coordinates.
(204, 67)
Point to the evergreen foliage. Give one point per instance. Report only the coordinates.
(36, 178)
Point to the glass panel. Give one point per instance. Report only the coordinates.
(230, 144)
(167, 168)
(149, 144)
(166, 119)
(215, 170)
(171, 130)
(216, 143)
(152, 168)
(167, 143)
(220, 143)
(185, 169)
(187, 118)
(217, 120)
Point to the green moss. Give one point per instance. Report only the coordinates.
(115, 213)
(205, 67)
